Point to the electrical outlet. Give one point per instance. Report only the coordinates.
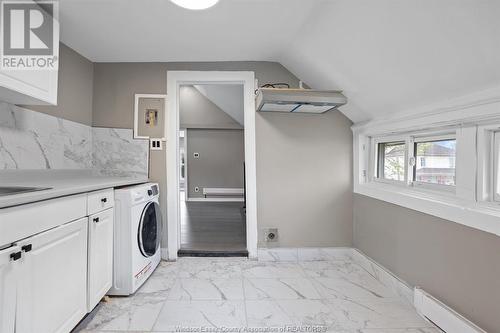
(155, 144)
(197, 189)
(196, 155)
(271, 235)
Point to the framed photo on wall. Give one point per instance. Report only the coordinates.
(150, 116)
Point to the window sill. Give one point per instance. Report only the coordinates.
(481, 216)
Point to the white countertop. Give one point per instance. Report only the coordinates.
(61, 182)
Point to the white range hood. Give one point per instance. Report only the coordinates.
(298, 100)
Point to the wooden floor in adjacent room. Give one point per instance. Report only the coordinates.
(213, 226)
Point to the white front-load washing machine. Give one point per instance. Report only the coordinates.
(136, 237)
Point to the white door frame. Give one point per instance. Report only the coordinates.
(174, 80)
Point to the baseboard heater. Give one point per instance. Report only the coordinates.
(223, 192)
(443, 316)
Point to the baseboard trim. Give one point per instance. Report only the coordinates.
(384, 276)
(442, 315)
(294, 254)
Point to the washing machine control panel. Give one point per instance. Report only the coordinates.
(141, 194)
(154, 190)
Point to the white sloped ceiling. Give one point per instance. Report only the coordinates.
(228, 97)
(388, 56)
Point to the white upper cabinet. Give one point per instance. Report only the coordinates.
(30, 86)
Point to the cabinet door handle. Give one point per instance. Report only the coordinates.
(15, 256)
(96, 219)
(104, 200)
(27, 248)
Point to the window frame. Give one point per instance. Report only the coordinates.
(380, 162)
(425, 185)
(495, 172)
(374, 158)
(488, 161)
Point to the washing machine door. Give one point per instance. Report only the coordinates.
(148, 234)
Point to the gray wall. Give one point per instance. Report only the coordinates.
(222, 153)
(74, 98)
(197, 111)
(328, 135)
(457, 264)
(116, 83)
(304, 173)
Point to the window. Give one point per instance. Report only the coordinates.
(391, 161)
(450, 171)
(437, 162)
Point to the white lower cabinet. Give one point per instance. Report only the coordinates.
(9, 258)
(52, 284)
(53, 271)
(100, 256)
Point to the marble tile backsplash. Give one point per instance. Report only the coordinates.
(116, 153)
(33, 140)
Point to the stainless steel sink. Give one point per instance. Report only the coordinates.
(10, 190)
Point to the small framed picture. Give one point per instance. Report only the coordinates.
(150, 116)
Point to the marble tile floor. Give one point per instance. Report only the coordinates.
(231, 294)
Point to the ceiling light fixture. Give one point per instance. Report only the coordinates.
(195, 4)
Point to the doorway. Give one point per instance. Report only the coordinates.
(211, 178)
(212, 161)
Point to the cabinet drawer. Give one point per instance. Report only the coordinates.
(99, 201)
(24, 221)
